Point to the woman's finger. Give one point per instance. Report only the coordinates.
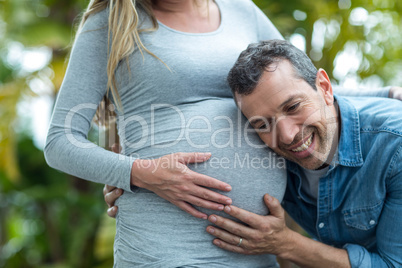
(207, 181)
(190, 210)
(186, 158)
(211, 196)
(196, 201)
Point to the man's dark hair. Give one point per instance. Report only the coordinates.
(259, 57)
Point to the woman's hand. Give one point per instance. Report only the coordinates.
(395, 93)
(170, 178)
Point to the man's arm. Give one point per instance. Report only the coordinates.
(388, 230)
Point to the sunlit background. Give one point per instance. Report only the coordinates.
(49, 219)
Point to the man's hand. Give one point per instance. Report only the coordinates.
(395, 93)
(269, 235)
(263, 235)
(111, 193)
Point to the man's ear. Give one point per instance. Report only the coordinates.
(324, 86)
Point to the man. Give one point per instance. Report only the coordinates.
(344, 161)
(333, 165)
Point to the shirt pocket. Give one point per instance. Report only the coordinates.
(362, 222)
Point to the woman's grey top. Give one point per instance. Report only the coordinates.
(188, 108)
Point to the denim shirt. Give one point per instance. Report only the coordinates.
(359, 204)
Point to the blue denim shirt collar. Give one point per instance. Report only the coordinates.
(349, 149)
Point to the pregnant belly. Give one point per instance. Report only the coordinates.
(150, 227)
(216, 126)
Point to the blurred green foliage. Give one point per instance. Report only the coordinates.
(50, 219)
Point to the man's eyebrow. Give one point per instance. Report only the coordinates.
(255, 121)
(288, 100)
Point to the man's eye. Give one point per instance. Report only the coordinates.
(293, 107)
(263, 128)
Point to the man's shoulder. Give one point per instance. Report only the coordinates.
(378, 114)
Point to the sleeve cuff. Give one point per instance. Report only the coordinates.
(358, 256)
(126, 183)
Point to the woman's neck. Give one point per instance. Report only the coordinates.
(193, 16)
(180, 6)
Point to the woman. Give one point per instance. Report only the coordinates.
(175, 102)
(165, 63)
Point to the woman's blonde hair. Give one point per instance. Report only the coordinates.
(123, 39)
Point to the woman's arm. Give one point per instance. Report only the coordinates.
(68, 149)
(356, 92)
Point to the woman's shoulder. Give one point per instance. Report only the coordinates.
(97, 21)
(238, 8)
(240, 5)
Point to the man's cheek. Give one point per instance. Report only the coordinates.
(269, 141)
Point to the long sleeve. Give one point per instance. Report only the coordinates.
(67, 147)
(380, 92)
(265, 28)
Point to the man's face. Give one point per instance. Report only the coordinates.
(292, 118)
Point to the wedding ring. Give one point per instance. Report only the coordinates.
(241, 240)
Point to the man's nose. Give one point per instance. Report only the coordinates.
(287, 129)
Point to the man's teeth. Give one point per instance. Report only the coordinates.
(304, 146)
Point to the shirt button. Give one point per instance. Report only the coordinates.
(372, 222)
(321, 225)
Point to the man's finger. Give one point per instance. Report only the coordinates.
(116, 148)
(227, 237)
(108, 189)
(245, 216)
(231, 226)
(275, 208)
(111, 197)
(112, 212)
(226, 246)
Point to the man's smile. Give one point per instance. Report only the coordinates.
(303, 148)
